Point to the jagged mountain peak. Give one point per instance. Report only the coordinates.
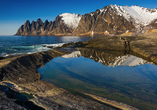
(71, 20)
(27, 22)
(46, 21)
(39, 19)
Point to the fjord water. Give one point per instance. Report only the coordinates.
(114, 75)
(15, 45)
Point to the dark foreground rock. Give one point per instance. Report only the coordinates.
(8, 104)
(24, 69)
(20, 74)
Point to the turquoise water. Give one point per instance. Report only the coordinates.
(15, 45)
(135, 85)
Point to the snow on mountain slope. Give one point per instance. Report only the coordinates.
(140, 15)
(71, 20)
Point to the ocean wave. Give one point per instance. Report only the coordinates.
(19, 50)
(3, 54)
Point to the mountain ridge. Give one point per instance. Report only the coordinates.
(110, 20)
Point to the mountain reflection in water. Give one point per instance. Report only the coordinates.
(113, 58)
(110, 74)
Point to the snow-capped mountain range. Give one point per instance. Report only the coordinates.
(110, 20)
(135, 14)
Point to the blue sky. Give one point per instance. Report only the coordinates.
(14, 13)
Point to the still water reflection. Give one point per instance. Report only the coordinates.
(114, 75)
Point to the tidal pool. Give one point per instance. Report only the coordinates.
(114, 75)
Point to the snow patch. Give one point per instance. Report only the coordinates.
(71, 20)
(107, 32)
(127, 31)
(104, 19)
(91, 14)
(101, 10)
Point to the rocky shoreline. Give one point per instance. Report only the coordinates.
(22, 71)
(143, 46)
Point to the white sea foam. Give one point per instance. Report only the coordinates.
(4, 54)
(53, 45)
(19, 50)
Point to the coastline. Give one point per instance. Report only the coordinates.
(22, 70)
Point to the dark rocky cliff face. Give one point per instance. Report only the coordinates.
(38, 28)
(105, 22)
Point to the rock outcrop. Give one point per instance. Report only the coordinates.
(23, 69)
(143, 46)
